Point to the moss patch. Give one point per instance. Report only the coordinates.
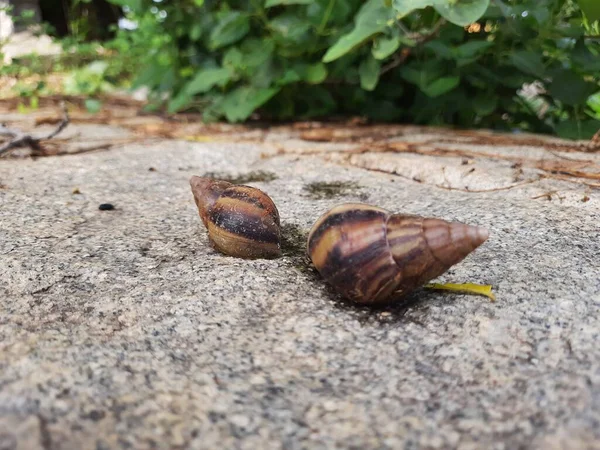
(293, 246)
(321, 190)
(243, 178)
(293, 240)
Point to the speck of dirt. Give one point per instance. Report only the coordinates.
(250, 177)
(95, 415)
(106, 207)
(151, 169)
(76, 191)
(322, 190)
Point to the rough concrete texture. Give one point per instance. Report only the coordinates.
(124, 329)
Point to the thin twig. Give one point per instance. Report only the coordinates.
(571, 180)
(450, 188)
(398, 59)
(63, 123)
(20, 139)
(547, 195)
(479, 191)
(405, 52)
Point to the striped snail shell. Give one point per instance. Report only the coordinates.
(370, 255)
(241, 220)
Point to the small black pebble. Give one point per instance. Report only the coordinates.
(106, 207)
(96, 415)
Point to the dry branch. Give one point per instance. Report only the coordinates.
(20, 139)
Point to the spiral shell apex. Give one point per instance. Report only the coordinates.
(370, 255)
(241, 220)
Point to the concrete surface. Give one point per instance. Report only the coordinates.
(124, 329)
(25, 43)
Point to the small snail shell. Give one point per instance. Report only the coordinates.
(241, 220)
(368, 254)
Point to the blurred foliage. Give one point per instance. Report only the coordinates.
(459, 62)
(504, 64)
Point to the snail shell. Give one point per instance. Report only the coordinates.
(367, 253)
(241, 220)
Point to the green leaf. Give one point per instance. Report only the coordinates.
(239, 104)
(591, 9)
(594, 103)
(262, 76)
(372, 18)
(289, 28)
(256, 52)
(422, 74)
(472, 48)
(206, 79)
(315, 73)
(369, 73)
(196, 31)
(289, 76)
(583, 57)
(179, 102)
(440, 48)
(573, 30)
(461, 12)
(405, 7)
(93, 105)
(574, 129)
(271, 3)
(149, 77)
(251, 56)
(233, 59)
(229, 30)
(408, 41)
(441, 86)
(571, 88)
(485, 104)
(384, 46)
(528, 62)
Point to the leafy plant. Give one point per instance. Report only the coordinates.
(505, 64)
(89, 80)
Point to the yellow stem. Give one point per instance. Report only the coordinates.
(466, 288)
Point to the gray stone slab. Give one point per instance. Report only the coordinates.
(124, 329)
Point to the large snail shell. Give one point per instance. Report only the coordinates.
(241, 220)
(368, 254)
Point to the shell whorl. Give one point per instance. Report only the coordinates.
(206, 192)
(425, 248)
(368, 254)
(241, 220)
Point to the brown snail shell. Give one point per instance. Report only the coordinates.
(241, 220)
(369, 254)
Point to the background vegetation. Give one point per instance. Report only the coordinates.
(504, 64)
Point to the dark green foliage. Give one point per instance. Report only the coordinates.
(458, 62)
